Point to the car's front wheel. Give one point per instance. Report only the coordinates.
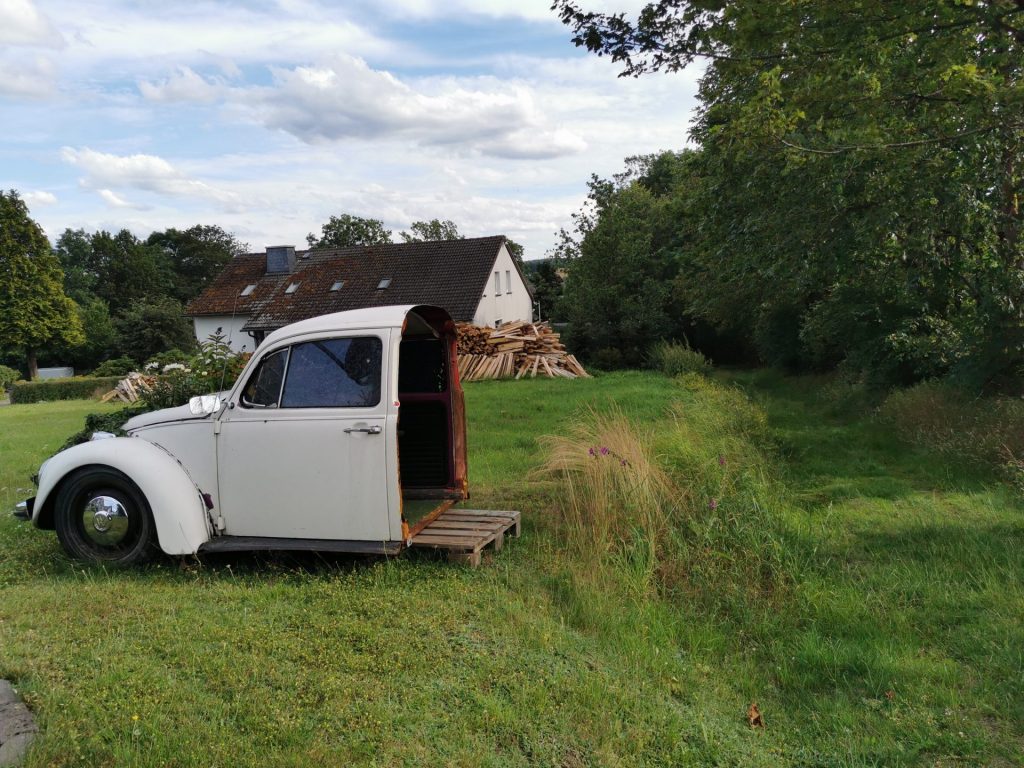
(101, 516)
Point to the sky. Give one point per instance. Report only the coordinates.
(266, 117)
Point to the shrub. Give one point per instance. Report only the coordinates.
(606, 359)
(103, 422)
(7, 377)
(673, 359)
(81, 388)
(156, 363)
(214, 368)
(119, 366)
(983, 430)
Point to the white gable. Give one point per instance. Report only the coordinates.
(505, 296)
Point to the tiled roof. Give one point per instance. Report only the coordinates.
(451, 273)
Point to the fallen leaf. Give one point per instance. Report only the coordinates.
(754, 716)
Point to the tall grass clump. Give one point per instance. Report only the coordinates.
(985, 431)
(683, 508)
(674, 358)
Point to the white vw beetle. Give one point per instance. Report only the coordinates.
(345, 433)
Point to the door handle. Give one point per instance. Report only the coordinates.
(374, 430)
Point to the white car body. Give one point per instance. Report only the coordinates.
(293, 475)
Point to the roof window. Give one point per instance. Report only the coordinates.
(384, 283)
(248, 289)
(337, 286)
(292, 287)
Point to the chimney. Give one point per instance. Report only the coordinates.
(280, 259)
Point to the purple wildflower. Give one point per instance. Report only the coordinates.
(624, 463)
(592, 452)
(721, 460)
(713, 504)
(604, 450)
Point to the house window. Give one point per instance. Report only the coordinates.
(337, 285)
(497, 323)
(384, 283)
(292, 288)
(508, 281)
(248, 289)
(497, 283)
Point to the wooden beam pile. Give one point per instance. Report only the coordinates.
(514, 350)
(130, 388)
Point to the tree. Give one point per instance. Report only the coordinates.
(547, 284)
(435, 229)
(196, 255)
(34, 310)
(150, 327)
(346, 230)
(618, 297)
(74, 250)
(862, 176)
(128, 270)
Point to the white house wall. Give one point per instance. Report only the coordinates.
(231, 327)
(512, 303)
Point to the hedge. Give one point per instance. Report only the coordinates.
(83, 388)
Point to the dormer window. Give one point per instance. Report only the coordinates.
(337, 285)
(292, 288)
(383, 283)
(248, 289)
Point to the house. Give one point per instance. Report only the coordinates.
(475, 279)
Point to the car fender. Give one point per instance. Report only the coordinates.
(180, 515)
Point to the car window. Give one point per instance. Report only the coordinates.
(264, 387)
(334, 373)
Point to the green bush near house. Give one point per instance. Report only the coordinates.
(673, 358)
(7, 377)
(118, 366)
(82, 388)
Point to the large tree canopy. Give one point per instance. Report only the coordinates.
(862, 174)
(34, 311)
(435, 229)
(345, 230)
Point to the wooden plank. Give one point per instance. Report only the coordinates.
(463, 525)
(494, 521)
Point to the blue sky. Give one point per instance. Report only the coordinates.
(267, 117)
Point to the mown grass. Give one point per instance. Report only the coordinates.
(892, 639)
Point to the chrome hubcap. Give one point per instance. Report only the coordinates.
(105, 520)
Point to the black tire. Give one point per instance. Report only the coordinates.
(101, 516)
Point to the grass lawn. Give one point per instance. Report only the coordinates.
(897, 642)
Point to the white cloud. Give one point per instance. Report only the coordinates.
(39, 197)
(345, 98)
(145, 172)
(27, 77)
(183, 85)
(115, 201)
(21, 23)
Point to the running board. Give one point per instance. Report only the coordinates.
(267, 544)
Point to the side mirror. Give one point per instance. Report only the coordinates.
(204, 405)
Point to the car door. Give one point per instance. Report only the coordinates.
(301, 450)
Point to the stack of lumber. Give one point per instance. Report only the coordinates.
(514, 350)
(130, 388)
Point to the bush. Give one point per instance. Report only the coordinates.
(156, 363)
(103, 422)
(119, 366)
(673, 359)
(214, 368)
(7, 377)
(606, 359)
(81, 388)
(982, 430)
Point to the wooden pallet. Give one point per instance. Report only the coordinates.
(463, 533)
